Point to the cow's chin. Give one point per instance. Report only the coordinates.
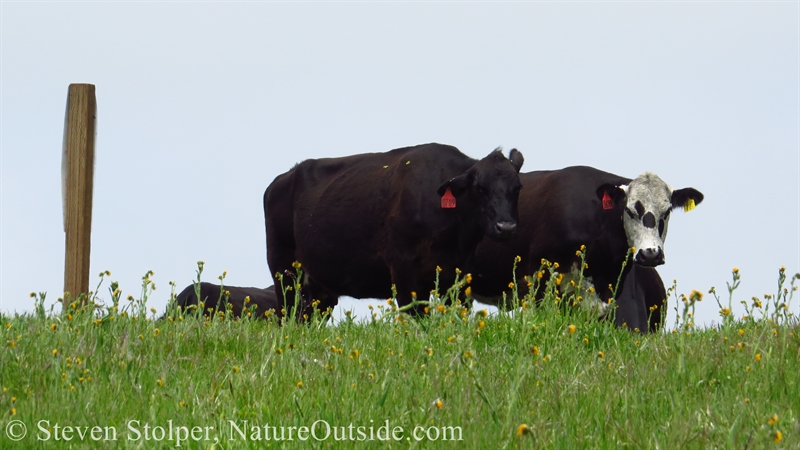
(500, 236)
(649, 263)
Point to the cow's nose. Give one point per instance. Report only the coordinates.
(650, 257)
(505, 227)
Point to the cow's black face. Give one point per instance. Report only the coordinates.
(493, 186)
(496, 193)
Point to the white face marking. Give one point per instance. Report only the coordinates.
(646, 217)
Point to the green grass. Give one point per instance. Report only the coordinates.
(544, 377)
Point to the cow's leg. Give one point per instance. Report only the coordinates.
(405, 278)
(282, 256)
(280, 264)
(312, 297)
(316, 298)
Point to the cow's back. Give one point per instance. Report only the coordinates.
(339, 215)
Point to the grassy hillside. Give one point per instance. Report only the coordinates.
(543, 377)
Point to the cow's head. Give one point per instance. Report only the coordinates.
(492, 186)
(646, 203)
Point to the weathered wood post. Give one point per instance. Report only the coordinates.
(77, 180)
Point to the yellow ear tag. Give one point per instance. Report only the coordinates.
(689, 205)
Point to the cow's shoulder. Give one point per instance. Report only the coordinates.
(426, 160)
(574, 185)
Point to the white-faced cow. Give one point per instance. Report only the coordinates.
(239, 298)
(560, 210)
(361, 223)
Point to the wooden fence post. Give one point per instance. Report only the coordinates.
(77, 180)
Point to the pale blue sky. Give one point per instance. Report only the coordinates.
(201, 105)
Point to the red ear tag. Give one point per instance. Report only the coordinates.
(448, 200)
(607, 202)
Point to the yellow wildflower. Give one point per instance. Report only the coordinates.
(773, 420)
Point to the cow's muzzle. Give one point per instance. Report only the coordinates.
(650, 257)
(505, 229)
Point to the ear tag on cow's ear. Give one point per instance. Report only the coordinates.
(448, 200)
(689, 205)
(607, 202)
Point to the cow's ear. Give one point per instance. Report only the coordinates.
(457, 185)
(515, 156)
(688, 198)
(613, 193)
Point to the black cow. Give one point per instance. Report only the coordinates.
(560, 210)
(263, 299)
(359, 224)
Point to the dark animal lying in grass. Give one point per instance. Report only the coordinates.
(239, 298)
